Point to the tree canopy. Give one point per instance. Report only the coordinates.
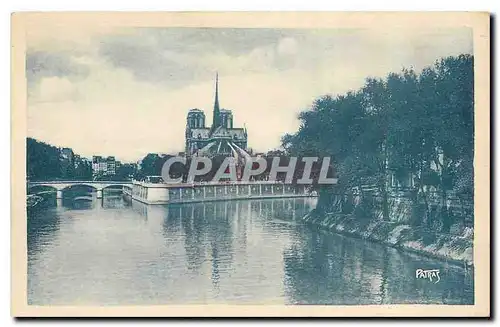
(418, 124)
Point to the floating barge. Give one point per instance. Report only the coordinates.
(160, 193)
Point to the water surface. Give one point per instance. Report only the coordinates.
(112, 252)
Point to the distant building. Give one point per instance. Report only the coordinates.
(222, 138)
(95, 164)
(99, 166)
(110, 165)
(118, 165)
(104, 165)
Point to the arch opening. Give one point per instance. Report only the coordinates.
(80, 187)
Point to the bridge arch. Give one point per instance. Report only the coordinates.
(89, 185)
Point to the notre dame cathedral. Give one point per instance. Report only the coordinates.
(219, 139)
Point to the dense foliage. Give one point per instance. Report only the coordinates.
(408, 124)
(45, 162)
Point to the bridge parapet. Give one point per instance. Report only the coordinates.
(61, 185)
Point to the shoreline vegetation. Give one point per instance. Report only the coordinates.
(402, 148)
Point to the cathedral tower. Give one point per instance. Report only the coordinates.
(216, 117)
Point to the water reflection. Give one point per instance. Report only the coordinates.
(332, 269)
(42, 225)
(110, 251)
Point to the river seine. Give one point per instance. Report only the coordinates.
(116, 252)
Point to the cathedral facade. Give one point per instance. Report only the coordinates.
(221, 138)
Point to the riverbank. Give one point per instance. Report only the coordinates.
(456, 248)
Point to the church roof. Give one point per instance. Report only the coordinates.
(230, 133)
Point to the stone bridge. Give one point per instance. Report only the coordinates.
(60, 186)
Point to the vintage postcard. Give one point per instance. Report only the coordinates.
(250, 164)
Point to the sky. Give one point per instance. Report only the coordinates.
(126, 91)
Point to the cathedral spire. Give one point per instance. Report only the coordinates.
(216, 118)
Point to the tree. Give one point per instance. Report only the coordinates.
(42, 160)
(408, 125)
(149, 165)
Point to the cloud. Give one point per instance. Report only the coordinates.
(178, 56)
(199, 41)
(63, 34)
(148, 62)
(40, 64)
(127, 92)
(55, 89)
(287, 46)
